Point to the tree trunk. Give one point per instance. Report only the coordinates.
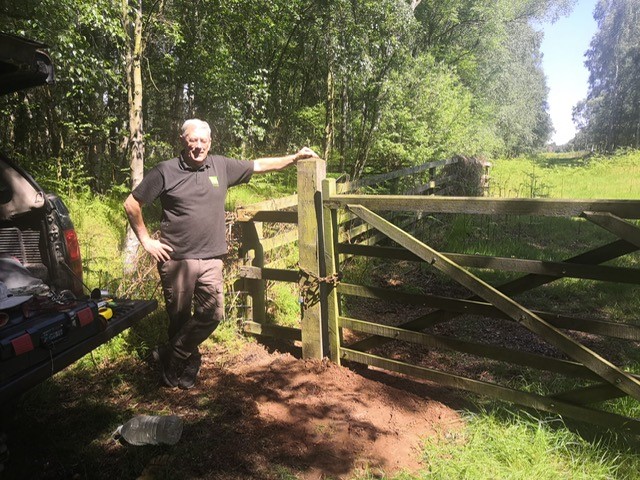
(136, 140)
(344, 125)
(330, 115)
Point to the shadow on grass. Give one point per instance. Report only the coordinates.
(576, 161)
(611, 441)
(62, 428)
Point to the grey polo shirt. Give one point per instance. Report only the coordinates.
(193, 216)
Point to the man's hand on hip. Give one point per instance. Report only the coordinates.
(158, 250)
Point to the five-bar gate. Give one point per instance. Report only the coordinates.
(601, 379)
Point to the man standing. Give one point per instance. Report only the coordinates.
(192, 190)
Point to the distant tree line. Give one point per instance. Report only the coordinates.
(609, 118)
(372, 84)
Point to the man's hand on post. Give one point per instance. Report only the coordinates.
(272, 164)
(305, 152)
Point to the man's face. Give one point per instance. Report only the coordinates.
(196, 143)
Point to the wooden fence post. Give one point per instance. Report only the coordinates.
(311, 172)
(253, 255)
(432, 181)
(330, 293)
(486, 168)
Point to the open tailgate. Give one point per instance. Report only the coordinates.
(125, 314)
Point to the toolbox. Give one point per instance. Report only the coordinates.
(37, 339)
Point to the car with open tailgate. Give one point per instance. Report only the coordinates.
(48, 319)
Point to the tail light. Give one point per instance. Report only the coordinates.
(75, 259)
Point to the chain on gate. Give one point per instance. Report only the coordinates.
(310, 289)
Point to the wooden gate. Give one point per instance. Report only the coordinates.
(301, 213)
(601, 379)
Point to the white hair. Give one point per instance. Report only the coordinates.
(194, 123)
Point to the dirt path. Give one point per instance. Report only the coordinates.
(323, 420)
(254, 415)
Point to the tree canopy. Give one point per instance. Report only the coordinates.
(609, 117)
(371, 84)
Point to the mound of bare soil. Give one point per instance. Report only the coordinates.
(315, 418)
(253, 415)
(323, 420)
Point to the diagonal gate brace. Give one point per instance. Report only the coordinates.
(625, 230)
(594, 362)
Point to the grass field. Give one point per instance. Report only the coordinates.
(569, 175)
(548, 238)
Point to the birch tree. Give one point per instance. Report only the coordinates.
(132, 25)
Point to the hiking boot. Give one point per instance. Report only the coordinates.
(170, 366)
(190, 372)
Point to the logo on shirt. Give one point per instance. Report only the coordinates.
(214, 181)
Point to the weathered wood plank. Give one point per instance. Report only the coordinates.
(272, 243)
(530, 400)
(597, 255)
(540, 362)
(476, 307)
(311, 172)
(615, 225)
(275, 274)
(350, 233)
(540, 267)
(272, 216)
(527, 282)
(253, 255)
(599, 365)
(353, 233)
(591, 394)
(383, 177)
(274, 331)
(431, 186)
(330, 292)
(245, 213)
(606, 328)
(546, 207)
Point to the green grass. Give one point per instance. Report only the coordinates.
(283, 307)
(548, 238)
(502, 445)
(498, 444)
(262, 187)
(100, 223)
(572, 175)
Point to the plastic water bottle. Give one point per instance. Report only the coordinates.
(151, 430)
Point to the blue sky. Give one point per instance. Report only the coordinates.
(563, 48)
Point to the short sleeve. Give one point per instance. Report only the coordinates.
(150, 187)
(238, 171)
